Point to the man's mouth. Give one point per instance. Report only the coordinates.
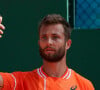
(49, 50)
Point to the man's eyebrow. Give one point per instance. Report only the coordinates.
(55, 34)
(43, 35)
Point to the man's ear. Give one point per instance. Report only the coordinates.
(68, 44)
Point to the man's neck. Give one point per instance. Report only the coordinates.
(56, 69)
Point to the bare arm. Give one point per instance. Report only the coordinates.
(1, 82)
(1, 27)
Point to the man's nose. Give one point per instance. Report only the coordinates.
(50, 41)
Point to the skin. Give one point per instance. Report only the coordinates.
(1, 27)
(53, 36)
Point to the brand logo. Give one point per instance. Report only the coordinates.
(73, 87)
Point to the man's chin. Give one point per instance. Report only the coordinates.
(51, 59)
(52, 55)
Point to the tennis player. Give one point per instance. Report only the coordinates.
(54, 74)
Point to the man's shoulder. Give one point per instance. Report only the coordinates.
(83, 82)
(24, 73)
(79, 76)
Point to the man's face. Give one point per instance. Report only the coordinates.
(52, 43)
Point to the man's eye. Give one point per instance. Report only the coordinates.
(55, 37)
(43, 38)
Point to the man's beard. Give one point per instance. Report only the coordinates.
(55, 57)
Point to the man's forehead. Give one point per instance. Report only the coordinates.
(52, 29)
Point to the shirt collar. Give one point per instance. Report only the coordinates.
(66, 75)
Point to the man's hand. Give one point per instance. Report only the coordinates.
(2, 27)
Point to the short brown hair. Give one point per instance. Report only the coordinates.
(56, 19)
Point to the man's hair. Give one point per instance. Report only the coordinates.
(56, 19)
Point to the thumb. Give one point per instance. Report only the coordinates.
(0, 19)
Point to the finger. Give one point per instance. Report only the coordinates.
(1, 32)
(2, 26)
(0, 36)
(0, 19)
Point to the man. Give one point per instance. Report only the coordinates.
(54, 74)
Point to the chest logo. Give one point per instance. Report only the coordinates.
(73, 87)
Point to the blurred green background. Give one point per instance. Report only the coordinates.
(19, 45)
